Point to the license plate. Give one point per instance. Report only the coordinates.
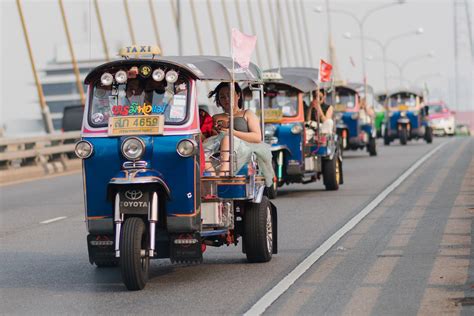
(340, 107)
(134, 201)
(136, 125)
(272, 115)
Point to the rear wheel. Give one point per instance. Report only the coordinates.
(331, 173)
(403, 135)
(134, 260)
(372, 146)
(258, 238)
(429, 135)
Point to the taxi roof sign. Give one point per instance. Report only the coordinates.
(271, 76)
(139, 51)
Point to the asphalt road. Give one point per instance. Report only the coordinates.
(411, 254)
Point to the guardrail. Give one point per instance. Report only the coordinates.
(30, 157)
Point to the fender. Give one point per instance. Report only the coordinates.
(140, 177)
(403, 121)
(278, 148)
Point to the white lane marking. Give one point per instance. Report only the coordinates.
(271, 296)
(53, 220)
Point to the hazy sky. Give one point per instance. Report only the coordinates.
(18, 94)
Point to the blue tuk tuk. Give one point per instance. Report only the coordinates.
(354, 117)
(146, 193)
(302, 153)
(407, 117)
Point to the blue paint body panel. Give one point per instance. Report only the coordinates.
(292, 141)
(179, 173)
(352, 124)
(231, 191)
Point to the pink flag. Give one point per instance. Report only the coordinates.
(242, 47)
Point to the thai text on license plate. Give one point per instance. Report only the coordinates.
(136, 125)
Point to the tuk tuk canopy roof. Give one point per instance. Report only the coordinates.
(302, 78)
(359, 87)
(216, 68)
(418, 92)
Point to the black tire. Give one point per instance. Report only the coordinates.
(386, 138)
(372, 146)
(258, 230)
(429, 135)
(403, 135)
(134, 267)
(331, 175)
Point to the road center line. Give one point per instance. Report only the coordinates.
(53, 220)
(271, 296)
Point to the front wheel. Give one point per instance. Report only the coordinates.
(403, 135)
(331, 173)
(134, 260)
(429, 135)
(372, 146)
(258, 238)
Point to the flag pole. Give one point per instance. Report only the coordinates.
(231, 116)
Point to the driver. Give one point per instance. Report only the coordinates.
(320, 110)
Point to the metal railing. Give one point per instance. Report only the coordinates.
(50, 153)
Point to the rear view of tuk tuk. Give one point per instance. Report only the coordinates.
(407, 118)
(302, 151)
(355, 123)
(145, 193)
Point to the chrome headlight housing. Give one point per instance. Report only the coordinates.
(296, 129)
(355, 116)
(270, 130)
(171, 76)
(83, 149)
(403, 114)
(133, 148)
(187, 147)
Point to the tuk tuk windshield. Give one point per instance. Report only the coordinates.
(139, 96)
(282, 98)
(437, 108)
(344, 98)
(403, 99)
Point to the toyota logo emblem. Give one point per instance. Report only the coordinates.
(133, 194)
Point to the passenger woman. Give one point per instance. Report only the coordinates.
(246, 123)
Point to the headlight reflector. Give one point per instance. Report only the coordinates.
(296, 129)
(186, 147)
(133, 148)
(171, 76)
(121, 76)
(106, 79)
(83, 149)
(158, 74)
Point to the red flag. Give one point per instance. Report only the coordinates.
(325, 70)
(242, 47)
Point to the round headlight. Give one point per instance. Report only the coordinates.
(121, 76)
(270, 130)
(106, 79)
(355, 116)
(133, 148)
(186, 148)
(403, 114)
(296, 129)
(171, 76)
(158, 74)
(83, 149)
